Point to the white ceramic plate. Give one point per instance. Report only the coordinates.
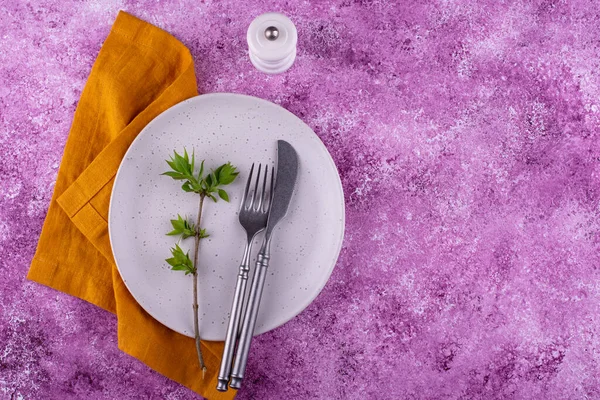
(241, 129)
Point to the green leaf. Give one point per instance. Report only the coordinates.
(218, 172)
(182, 227)
(227, 174)
(175, 175)
(186, 187)
(188, 233)
(201, 171)
(179, 222)
(203, 234)
(180, 261)
(182, 163)
(193, 163)
(176, 230)
(171, 261)
(212, 197)
(172, 164)
(197, 186)
(223, 195)
(204, 185)
(177, 160)
(188, 166)
(183, 170)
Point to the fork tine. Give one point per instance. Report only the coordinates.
(245, 197)
(272, 185)
(256, 197)
(263, 199)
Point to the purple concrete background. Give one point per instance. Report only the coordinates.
(467, 138)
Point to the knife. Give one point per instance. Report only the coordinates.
(287, 171)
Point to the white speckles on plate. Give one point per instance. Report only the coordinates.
(240, 129)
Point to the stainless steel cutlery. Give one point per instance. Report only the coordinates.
(262, 210)
(254, 212)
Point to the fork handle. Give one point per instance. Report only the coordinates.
(233, 327)
(241, 356)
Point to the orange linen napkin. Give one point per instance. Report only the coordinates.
(140, 72)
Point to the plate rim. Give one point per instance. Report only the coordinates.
(339, 187)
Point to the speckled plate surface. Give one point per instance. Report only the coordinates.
(223, 127)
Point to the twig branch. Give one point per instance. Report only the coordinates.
(205, 185)
(195, 277)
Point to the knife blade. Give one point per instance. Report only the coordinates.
(287, 172)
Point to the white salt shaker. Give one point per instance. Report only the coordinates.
(272, 39)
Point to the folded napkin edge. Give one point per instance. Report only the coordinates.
(49, 274)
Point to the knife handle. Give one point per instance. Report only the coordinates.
(233, 328)
(234, 319)
(250, 316)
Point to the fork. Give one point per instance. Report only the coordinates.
(254, 211)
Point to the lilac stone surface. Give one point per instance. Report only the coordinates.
(467, 139)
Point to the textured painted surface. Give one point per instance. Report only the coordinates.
(466, 135)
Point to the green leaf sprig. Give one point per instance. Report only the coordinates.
(185, 229)
(182, 169)
(205, 185)
(181, 261)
